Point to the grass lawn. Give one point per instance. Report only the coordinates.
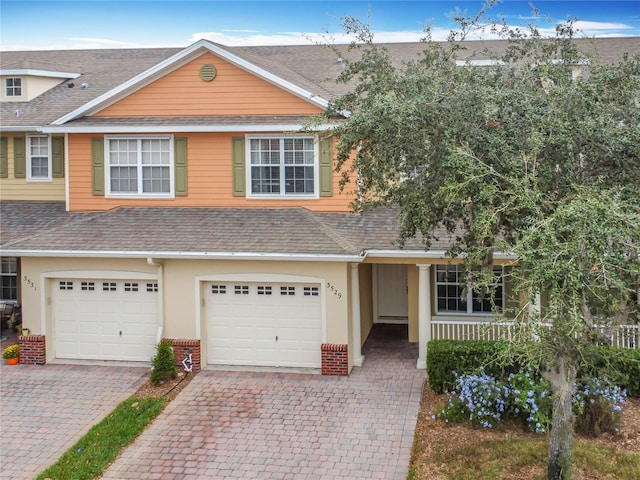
(95, 451)
(461, 452)
(103, 443)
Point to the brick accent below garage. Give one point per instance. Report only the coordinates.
(335, 359)
(181, 350)
(33, 349)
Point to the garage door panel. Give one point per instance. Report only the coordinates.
(268, 324)
(105, 319)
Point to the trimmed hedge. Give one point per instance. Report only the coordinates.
(446, 358)
(624, 363)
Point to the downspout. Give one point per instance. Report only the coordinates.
(160, 274)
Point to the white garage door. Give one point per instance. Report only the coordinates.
(263, 324)
(105, 319)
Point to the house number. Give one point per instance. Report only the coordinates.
(28, 282)
(334, 290)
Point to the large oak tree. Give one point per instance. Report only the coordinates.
(536, 154)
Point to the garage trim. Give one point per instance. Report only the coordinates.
(253, 278)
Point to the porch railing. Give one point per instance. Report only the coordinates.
(624, 336)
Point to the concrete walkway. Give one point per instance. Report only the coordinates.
(226, 425)
(44, 410)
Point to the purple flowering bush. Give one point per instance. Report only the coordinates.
(597, 406)
(485, 401)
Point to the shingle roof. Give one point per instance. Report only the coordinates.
(46, 227)
(311, 67)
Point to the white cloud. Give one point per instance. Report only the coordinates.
(586, 25)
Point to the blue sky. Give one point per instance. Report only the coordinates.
(37, 25)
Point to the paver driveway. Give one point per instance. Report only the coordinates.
(44, 410)
(285, 425)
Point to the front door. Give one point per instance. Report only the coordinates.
(391, 293)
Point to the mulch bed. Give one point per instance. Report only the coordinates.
(436, 435)
(169, 389)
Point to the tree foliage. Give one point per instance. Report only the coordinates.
(536, 155)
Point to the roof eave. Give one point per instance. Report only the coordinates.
(39, 73)
(17, 128)
(187, 128)
(296, 257)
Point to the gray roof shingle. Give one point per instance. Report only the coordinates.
(47, 227)
(311, 67)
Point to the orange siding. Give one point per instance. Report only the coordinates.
(209, 180)
(233, 92)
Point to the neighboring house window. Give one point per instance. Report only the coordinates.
(39, 157)
(9, 278)
(283, 166)
(13, 87)
(453, 296)
(139, 166)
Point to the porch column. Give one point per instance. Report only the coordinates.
(356, 331)
(424, 314)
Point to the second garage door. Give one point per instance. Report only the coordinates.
(263, 324)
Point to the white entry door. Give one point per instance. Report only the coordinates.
(391, 294)
(263, 324)
(102, 319)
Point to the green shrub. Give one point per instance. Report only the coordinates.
(446, 358)
(163, 363)
(621, 366)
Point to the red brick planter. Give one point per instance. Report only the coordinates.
(181, 350)
(33, 349)
(335, 359)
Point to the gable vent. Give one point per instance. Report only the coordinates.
(208, 72)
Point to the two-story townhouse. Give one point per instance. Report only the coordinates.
(176, 193)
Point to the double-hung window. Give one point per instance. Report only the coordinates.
(283, 166)
(139, 166)
(8, 278)
(455, 296)
(39, 157)
(13, 87)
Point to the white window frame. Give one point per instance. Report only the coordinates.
(283, 195)
(139, 166)
(10, 90)
(30, 157)
(469, 295)
(9, 270)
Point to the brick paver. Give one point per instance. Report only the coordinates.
(44, 410)
(230, 424)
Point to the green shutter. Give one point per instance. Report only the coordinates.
(239, 179)
(19, 157)
(180, 166)
(326, 168)
(57, 157)
(97, 165)
(4, 158)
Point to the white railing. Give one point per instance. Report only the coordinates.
(625, 336)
